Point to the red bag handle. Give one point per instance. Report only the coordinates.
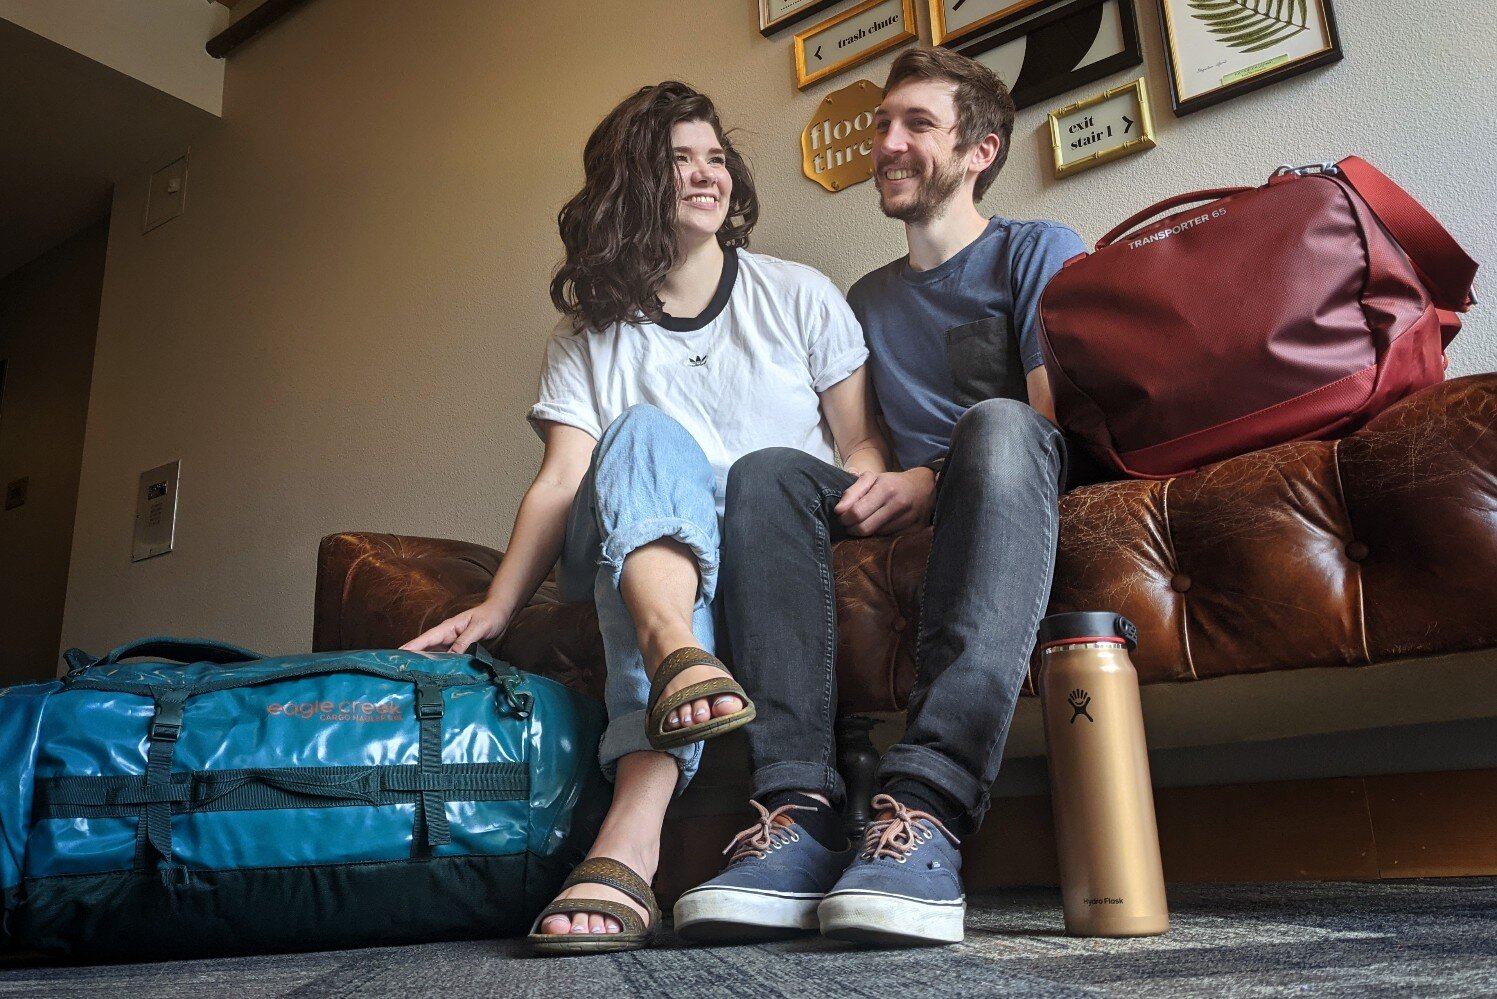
(1446, 269)
(1166, 205)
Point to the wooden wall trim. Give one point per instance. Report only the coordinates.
(1339, 829)
(1351, 828)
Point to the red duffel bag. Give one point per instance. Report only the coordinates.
(1293, 311)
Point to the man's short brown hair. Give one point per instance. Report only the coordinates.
(983, 104)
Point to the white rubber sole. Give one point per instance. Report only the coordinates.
(891, 920)
(723, 914)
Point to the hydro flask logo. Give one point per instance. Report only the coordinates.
(1079, 700)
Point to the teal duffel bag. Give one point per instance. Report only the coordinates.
(205, 800)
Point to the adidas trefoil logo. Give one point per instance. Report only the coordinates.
(697, 362)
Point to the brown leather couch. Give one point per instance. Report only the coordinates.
(1371, 549)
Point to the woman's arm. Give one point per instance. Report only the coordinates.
(534, 546)
(880, 501)
(848, 406)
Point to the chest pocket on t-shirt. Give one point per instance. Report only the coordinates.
(984, 361)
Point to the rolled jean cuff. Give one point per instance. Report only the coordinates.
(793, 776)
(930, 767)
(628, 537)
(627, 735)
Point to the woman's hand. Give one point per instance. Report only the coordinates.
(458, 632)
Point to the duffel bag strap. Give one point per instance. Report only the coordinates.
(1168, 203)
(431, 812)
(1444, 267)
(182, 650)
(153, 838)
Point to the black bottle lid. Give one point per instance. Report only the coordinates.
(1082, 626)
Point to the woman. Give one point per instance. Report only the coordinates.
(679, 352)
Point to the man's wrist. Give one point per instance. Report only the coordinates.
(925, 475)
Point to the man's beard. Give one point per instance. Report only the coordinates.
(931, 195)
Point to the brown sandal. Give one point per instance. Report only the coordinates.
(660, 708)
(599, 871)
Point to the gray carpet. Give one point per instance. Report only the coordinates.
(1393, 938)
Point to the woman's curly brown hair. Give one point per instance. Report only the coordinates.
(619, 231)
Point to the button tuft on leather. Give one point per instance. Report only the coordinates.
(1357, 551)
(1180, 583)
(899, 624)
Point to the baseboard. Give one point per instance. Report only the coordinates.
(1331, 829)
(1351, 828)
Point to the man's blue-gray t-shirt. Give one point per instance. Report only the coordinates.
(943, 339)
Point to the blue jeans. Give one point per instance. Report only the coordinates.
(991, 559)
(648, 480)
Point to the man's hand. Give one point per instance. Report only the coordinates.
(888, 502)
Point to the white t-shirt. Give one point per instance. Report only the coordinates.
(743, 375)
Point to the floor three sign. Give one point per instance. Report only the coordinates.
(837, 144)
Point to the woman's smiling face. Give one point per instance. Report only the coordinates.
(701, 178)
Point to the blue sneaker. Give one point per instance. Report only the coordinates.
(775, 877)
(904, 886)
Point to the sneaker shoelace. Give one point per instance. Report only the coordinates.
(773, 830)
(897, 837)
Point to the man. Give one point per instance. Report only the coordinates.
(959, 376)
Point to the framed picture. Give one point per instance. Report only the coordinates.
(1061, 48)
(776, 15)
(1220, 49)
(851, 37)
(1101, 128)
(951, 20)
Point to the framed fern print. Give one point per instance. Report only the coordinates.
(1220, 49)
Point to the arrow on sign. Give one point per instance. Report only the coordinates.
(958, 4)
(1130, 124)
(818, 52)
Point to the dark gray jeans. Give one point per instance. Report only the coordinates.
(985, 589)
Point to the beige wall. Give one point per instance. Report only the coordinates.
(49, 312)
(158, 42)
(343, 331)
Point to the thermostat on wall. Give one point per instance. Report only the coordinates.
(156, 512)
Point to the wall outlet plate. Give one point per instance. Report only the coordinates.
(156, 512)
(167, 194)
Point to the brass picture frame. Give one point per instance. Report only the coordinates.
(1007, 9)
(804, 77)
(1220, 49)
(1060, 142)
(771, 23)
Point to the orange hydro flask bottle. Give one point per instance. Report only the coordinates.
(1112, 881)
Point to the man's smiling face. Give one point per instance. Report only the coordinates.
(917, 167)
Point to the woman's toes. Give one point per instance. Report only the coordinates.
(595, 924)
(726, 705)
(557, 924)
(579, 923)
(612, 925)
(700, 711)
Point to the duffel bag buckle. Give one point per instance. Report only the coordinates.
(1309, 168)
(165, 731)
(166, 724)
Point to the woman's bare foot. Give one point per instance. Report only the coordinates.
(696, 712)
(600, 922)
(659, 585)
(630, 835)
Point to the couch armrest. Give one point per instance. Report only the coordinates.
(381, 590)
(378, 591)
